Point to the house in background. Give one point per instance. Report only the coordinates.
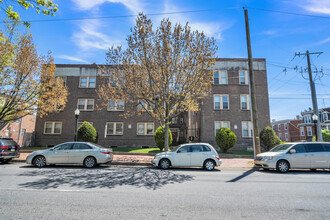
(289, 131)
(20, 130)
(228, 105)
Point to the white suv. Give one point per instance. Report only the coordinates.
(189, 155)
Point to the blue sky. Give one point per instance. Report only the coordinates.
(275, 36)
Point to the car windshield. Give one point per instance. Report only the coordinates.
(281, 148)
(175, 148)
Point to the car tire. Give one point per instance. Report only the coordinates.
(39, 161)
(164, 164)
(265, 169)
(209, 165)
(7, 160)
(90, 162)
(282, 166)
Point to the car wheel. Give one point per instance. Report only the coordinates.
(6, 161)
(209, 165)
(39, 161)
(164, 164)
(282, 166)
(90, 162)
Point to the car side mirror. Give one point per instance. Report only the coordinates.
(293, 151)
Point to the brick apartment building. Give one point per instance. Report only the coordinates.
(20, 130)
(288, 130)
(228, 105)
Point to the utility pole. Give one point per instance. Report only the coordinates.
(254, 113)
(312, 85)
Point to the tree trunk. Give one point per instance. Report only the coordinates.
(166, 136)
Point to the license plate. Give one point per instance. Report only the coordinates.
(13, 149)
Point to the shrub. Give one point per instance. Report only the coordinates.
(325, 136)
(225, 139)
(87, 133)
(159, 137)
(268, 138)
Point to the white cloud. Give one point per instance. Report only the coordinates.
(269, 32)
(326, 40)
(316, 6)
(72, 58)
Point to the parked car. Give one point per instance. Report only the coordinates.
(9, 149)
(307, 155)
(189, 155)
(87, 154)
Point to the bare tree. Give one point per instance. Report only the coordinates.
(27, 80)
(164, 71)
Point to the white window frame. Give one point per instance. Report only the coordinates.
(116, 106)
(53, 127)
(247, 102)
(250, 127)
(245, 77)
(145, 126)
(280, 136)
(115, 128)
(220, 77)
(302, 131)
(285, 126)
(286, 135)
(307, 119)
(218, 83)
(87, 82)
(279, 127)
(221, 101)
(85, 105)
(309, 131)
(221, 125)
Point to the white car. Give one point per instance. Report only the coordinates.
(189, 155)
(87, 154)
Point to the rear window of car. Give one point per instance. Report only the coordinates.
(315, 148)
(326, 147)
(206, 148)
(7, 143)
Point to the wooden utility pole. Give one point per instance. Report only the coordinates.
(254, 114)
(312, 85)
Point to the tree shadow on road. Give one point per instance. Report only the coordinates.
(148, 178)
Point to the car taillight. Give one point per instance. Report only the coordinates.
(106, 152)
(4, 147)
(18, 147)
(217, 157)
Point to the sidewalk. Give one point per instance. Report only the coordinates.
(145, 160)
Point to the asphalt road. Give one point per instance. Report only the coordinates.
(117, 192)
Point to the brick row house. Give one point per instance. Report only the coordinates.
(228, 105)
(289, 131)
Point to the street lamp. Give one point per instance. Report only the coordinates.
(76, 113)
(315, 118)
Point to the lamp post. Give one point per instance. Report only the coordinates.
(315, 118)
(76, 113)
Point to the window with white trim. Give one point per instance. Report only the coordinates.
(116, 105)
(219, 124)
(115, 128)
(52, 127)
(145, 128)
(243, 77)
(280, 136)
(309, 131)
(221, 102)
(87, 82)
(302, 131)
(86, 104)
(220, 78)
(285, 126)
(273, 126)
(245, 105)
(307, 119)
(174, 120)
(247, 129)
(286, 136)
(279, 127)
(143, 106)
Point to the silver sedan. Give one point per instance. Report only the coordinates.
(87, 154)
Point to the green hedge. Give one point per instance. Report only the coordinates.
(87, 133)
(159, 137)
(225, 139)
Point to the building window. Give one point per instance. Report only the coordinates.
(181, 120)
(23, 132)
(144, 128)
(174, 120)
(219, 124)
(243, 79)
(220, 77)
(63, 78)
(273, 126)
(80, 123)
(302, 131)
(221, 102)
(285, 126)
(307, 119)
(53, 128)
(87, 82)
(280, 136)
(116, 105)
(325, 116)
(115, 128)
(309, 131)
(86, 104)
(279, 127)
(143, 106)
(286, 136)
(247, 129)
(245, 102)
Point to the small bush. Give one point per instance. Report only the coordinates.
(87, 133)
(159, 137)
(225, 139)
(325, 136)
(268, 138)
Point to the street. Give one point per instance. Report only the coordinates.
(118, 192)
